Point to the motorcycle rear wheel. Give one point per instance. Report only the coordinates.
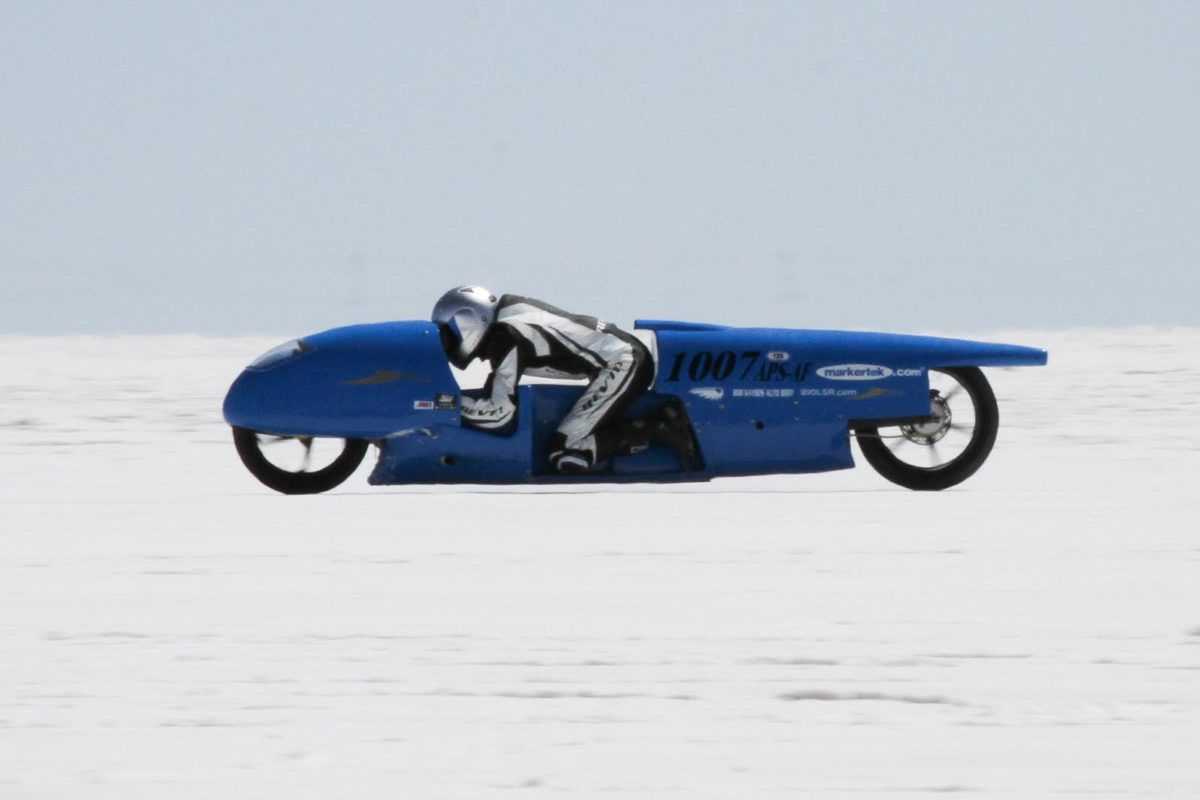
(941, 452)
(302, 480)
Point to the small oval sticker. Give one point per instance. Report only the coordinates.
(778, 356)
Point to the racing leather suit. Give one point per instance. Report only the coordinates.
(530, 337)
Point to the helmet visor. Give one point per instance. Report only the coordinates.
(452, 343)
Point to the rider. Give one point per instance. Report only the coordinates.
(522, 336)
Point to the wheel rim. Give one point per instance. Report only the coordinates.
(298, 464)
(299, 455)
(943, 439)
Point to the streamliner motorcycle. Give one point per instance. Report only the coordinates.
(759, 401)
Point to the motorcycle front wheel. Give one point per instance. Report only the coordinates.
(298, 464)
(949, 446)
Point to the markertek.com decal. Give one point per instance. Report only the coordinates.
(854, 372)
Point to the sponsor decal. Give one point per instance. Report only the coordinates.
(423, 405)
(855, 372)
(764, 393)
(909, 373)
(828, 392)
(446, 401)
(778, 356)
(709, 392)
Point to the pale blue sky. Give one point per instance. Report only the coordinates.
(282, 167)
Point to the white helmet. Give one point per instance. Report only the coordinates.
(463, 317)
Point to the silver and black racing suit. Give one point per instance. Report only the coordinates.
(530, 337)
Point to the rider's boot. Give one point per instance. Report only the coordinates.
(627, 438)
(666, 426)
(624, 439)
(669, 427)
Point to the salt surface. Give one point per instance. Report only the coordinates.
(170, 628)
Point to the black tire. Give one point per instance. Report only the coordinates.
(938, 475)
(249, 447)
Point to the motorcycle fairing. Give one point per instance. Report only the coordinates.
(361, 381)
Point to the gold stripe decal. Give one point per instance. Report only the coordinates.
(877, 391)
(383, 376)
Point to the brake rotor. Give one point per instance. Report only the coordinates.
(932, 431)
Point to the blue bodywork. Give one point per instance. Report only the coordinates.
(761, 400)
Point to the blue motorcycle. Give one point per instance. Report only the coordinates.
(759, 401)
